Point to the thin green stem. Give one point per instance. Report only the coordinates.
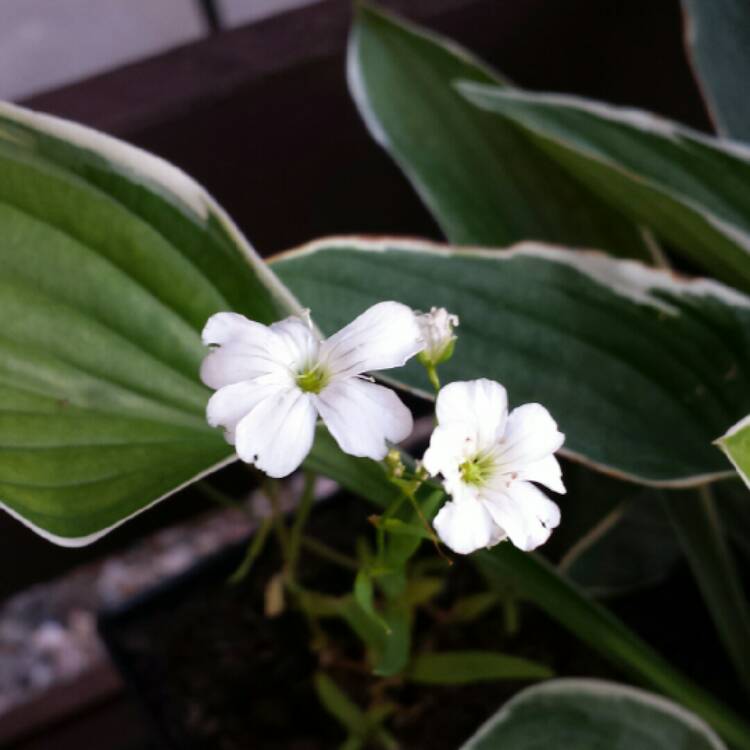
(328, 553)
(300, 519)
(254, 548)
(271, 489)
(433, 377)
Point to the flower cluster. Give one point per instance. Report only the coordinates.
(273, 382)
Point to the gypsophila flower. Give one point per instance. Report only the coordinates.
(436, 328)
(489, 459)
(273, 381)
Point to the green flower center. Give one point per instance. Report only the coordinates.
(313, 380)
(476, 471)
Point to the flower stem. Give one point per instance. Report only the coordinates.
(433, 377)
(254, 548)
(300, 519)
(328, 553)
(271, 489)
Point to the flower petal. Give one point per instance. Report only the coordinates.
(450, 445)
(524, 511)
(465, 526)
(299, 340)
(483, 403)
(278, 433)
(545, 471)
(226, 327)
(530, 435)
(362, 416)
(384, 336)
(246, 350)
(237, 362)
(233, 402)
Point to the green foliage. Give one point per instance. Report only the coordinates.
(718, 40)
(112, 262)
(466, 667)
(592, 715)
(688, 188)
(485, 182)
(580, 333)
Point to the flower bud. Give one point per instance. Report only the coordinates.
(436, 328)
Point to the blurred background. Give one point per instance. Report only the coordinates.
(250, 98)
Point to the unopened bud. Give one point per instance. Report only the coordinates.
(436, 328)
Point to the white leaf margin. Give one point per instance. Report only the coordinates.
(593, 688)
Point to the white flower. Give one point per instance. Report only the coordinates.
(436, 328)
(273, 382)
(488, 459)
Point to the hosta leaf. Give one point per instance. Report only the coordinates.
(718, 40)
(592, 715)
(690, 189)
(485, 182)
(632, 547)
(112, 260)
(736, 445)
(641, 370)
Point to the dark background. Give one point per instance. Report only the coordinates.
(261, 116)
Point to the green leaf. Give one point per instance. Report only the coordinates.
(690, 189)
(641, 370)
(340, 705)
(592, 715)
(467, 667)
(736, 445)
(362, 476)
(112, 260)
(485, 182)
(632, 547)
(699, 528)
(603, 632)
(718, 40)
(395, 651)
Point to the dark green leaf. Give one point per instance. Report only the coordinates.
(641, 371)
(486, 182)
(718, 40)
(112, 260)
(690, 189)
(592, 715)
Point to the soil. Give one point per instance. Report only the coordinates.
(213, 672)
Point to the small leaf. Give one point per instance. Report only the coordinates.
(340, 705)
(364, 596)
(397, 643)
(584, 714)
(736, 445)
(472, 607)
(466, 667)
